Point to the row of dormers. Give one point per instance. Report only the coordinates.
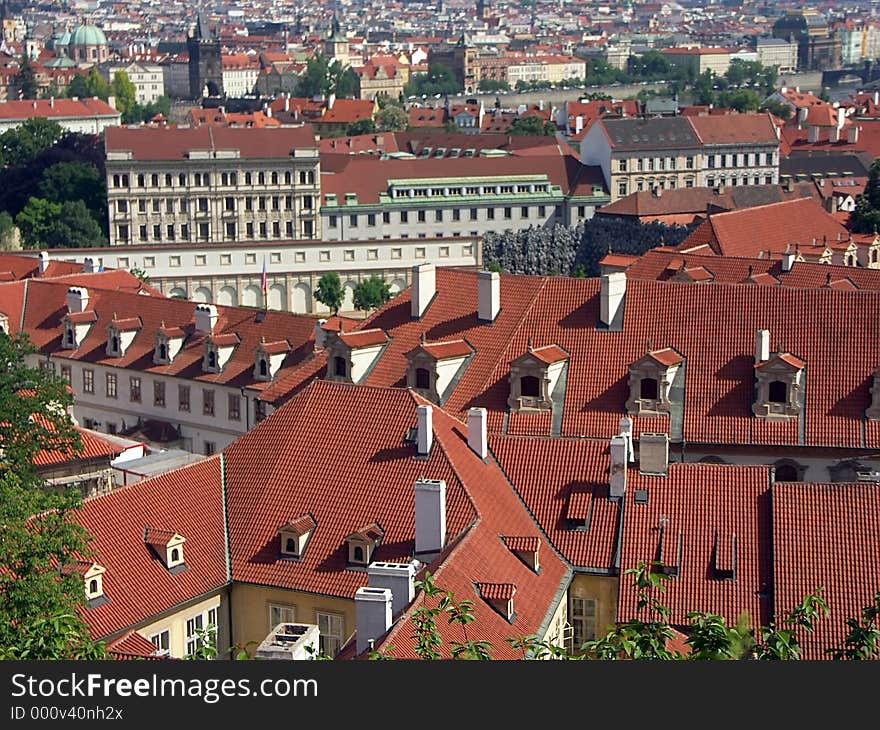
(166, 546)
(169, 341)
(294, 537)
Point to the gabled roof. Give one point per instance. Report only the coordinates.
(364, 338)
(444, 350)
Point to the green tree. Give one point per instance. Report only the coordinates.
(492, 85)
(532, 125)
(863, 638)
(743, 100)
(866, 217)
(315, 80)
(392, 119)
(21, 145)
(371, 294)
(84, 86)
(69, 224)
(69, 181)
(126, 98)
(344, 82)
(39, 604)
(26, 79)
(777, 109)
(38, 216)
(704, 88)
(438, 80)
(361, 126)
(329, 291)
(10, 238)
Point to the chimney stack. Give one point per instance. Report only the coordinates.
(852, 134)
(430, 515)
(813, 134)
(626, 430)
(372, 608)
(206, 318)
(77, 299)
(612, 293)
(399, 578)
(424, 287)
(618, 466)
(44, 261)
(489, 295)
(762, 346)
(88, 265)
(654, 453)
(477, 431)
(424, 430)
(320, 334)
(788, 259)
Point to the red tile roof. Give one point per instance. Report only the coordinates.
(364, 338)
(136, 581)
(496, 591)
(549, 354)
(826, 536)
(56, 109)
(131, 645)
(94, 446)
(451, 348)
(736, 129)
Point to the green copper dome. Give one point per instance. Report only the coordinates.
(63, 40)
(88, 35)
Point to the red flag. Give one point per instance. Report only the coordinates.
(265, 279)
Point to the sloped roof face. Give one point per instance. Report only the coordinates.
(766, 228)
(735, 129)
(702, 503)
(826, 535)
(653, 133)
(712, 326)
(136, 581)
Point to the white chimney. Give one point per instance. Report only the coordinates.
(430, 515)
(44, 261)
(77, 299)
(424, 430)
(788, 259)
(268, 111)
(88, 265)
(812, 134)
(399, 578)
(287, 103)
(626, 430)
(424, 287)
(803, 113)
(612, 292)
(206, 318)
(762, 346)
(877, 97)
(578, 124)
(372, 608)
(489, 295)
(331, 100)
(477, 431)
(320, 334)
(618, 466)
(834, 134)
(852, 134)
(654, 453)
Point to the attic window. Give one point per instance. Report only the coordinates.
(209, 362)
(268, 358)
(650, 380)
(534, 377)
(725, 557)
(779, 386)
(69, 336)
(295, 535)
(500, 597)
(526, 548)
(669, 548)
(363, 542)
(93, 581)
(433, 368)
(340, 367)
(168, 547)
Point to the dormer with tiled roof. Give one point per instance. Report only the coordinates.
(362, 543)
(168, 547)
(526, 548)
(92, 575)
(669, 549)
(779, 381)
(351, 356)
(652, 379)
(433, 368)
(500, 597)
(535, 378)
(76, 327)
(169, 342)
(218, 350)
(295, 535)
(268, 359)
(121, 333)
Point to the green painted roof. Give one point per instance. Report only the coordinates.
(88, 35)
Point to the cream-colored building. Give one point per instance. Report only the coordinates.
(148, 79)
(212, 185)
(549, 69)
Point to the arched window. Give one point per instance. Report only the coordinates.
(114, 344)
(163, 351)
(786, 473)
(648, 388)
(212, 359)
(274, 178)
(68, 336)
(874, 256)
(340, 367)
(423, 378)
(93, 586)
(358, 554)
(777, 392)
(529, 386)
(290, 545)
(175, 555)
(264, 368)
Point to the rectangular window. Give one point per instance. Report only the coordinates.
(159, 394)
(122, 233)
(225, 259)
(207, 402)
(174, 260)
(229, 203)
(201, 260)
(263, 229)
(111, 385)
(330, 629)
(621, 188)
(157, 205)
(157, 232)
(621, 165)
(473, 214)
(276, 229)
(259, 410)
(490, 214)
(372, 254)
(396, 253)
(353, 220)
(421, 216)
(456, 214)
(280, 614)
(204, 231)
(134, 389)
(122, 206)
(404, 216)
(194, 628)
(689, 163)
(162, 642)
(332, 221)
(142, 232)
(323, 255)
(234, 407)
(275, 257)
(420, 253)
(386, 217)
(583, 620)
(348, 254)
(443, 252)
(210, 448)
(65, 372)
(183, 398)
(438, 216)
(88, 381)
(149, 262)
(142, 206)
(508, 213)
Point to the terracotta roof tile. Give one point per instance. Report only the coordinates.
(364, 338)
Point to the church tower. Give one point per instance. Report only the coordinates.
(205, 61)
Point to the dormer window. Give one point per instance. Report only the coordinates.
(650, 381)
(534, 378)
(351, 356)
(500, 597)
(218, 350)
(268, 359)
(92, 575)
(169, 342)
(294, 536)
(162, 352)
(526, 549)
(362, 543)
(76, 328)
(211, 359)
(779, 386)
(434, 368)
(340, 367)
(120, 335)
(168, 547)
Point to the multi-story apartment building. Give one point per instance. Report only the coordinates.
(455, 197)
(675, 152)
(240, 74)
(778, 52)
(212, 184)
(86, 116)
(549, 69)
(148, 79)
